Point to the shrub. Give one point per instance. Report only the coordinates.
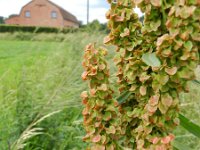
(33, 29)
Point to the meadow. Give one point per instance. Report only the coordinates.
(40, 86)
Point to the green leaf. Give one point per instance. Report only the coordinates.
(151, 60)
(188, 45)
(111, 130)
(107, 116)
(123, 97)
(196, 82)
(180, 146)
(189, 126)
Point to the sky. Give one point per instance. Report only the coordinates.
(98, 8)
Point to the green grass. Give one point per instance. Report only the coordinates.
(36, 79)
(41, 77)
(16, 54)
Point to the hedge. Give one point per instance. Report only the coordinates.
(33, 29)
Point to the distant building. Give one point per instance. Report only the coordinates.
(43, 13)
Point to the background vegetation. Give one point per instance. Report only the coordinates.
(93, 26)
(40, 86)
(1, 20)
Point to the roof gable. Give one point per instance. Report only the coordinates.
(66, 15)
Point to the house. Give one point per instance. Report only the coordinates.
(43, 13)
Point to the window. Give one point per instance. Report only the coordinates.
(114, 1)
(27, 14)
(53, 14)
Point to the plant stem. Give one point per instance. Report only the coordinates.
(164, 17)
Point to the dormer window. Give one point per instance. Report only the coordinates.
(27, 14)
(53, 14)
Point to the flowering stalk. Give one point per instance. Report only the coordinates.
(155, 62)
(125, 34)
(151, 112)
(100, 116)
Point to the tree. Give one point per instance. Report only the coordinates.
(2, 20)
(95, 25)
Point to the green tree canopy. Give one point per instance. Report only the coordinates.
(1, 20)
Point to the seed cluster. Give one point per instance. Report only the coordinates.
(100, 112)
(171, 33)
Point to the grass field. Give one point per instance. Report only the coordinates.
(39, 95)
(36, 79)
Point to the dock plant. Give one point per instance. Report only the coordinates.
(155, 59)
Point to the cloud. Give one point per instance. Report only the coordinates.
(98, 8)
(8, 7)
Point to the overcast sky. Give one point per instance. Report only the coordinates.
(98, 8)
